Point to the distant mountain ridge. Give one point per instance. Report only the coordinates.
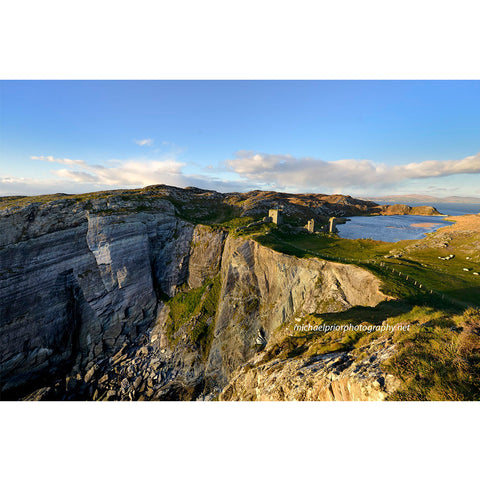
(423, 198)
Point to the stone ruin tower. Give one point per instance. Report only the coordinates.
(276, 215)
(310, 226)
(331, 224)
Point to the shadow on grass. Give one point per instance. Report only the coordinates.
(470, 295)
(374, 315)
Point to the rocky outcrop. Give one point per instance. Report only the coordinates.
(400, 209)
(263, 289)
(332, 377)
(206, 254)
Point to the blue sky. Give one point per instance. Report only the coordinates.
(351, 137)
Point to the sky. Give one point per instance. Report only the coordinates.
(364, 138)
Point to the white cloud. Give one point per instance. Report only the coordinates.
(131, 174)
(33, 186)
(286, 171)
(114, 174)
(145, 142)
(64, 161)
(127, 173)
(251, 171)
(81, 177)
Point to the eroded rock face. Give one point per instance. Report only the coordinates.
(76, 285)
(206, 254)
(330, 377)
(263, 289)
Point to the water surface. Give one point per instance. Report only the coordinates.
(391, 228)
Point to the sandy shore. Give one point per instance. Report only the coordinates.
(462, 223)
(425, 225)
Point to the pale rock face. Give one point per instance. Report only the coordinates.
(264, 289)
(329, 377)
(206, 254)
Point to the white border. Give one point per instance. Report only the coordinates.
(251, 39)
(238, 40)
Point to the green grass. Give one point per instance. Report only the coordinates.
(195, 310)
(325, 245)
(439, 358)
(183, 306)
(203, 210)
(237, 222)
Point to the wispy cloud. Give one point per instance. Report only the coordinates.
(286, 171)
(145, 142)
(114, 173)
(117, 174)
(64, 161)
(79, 177)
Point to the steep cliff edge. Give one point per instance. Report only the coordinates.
(263, 290)
(255, 292)
(76, 285)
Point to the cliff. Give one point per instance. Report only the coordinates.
(120, 296)
(263, 290)
(76, 284)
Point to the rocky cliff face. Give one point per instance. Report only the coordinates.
(331, 377)
(84, 286)
(260, 291)
(76, 285)
(263, 290)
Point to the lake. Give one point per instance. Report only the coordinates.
(393, 228)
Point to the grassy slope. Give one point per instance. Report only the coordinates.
(193, 313)
(438, 358)
(423, 265)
